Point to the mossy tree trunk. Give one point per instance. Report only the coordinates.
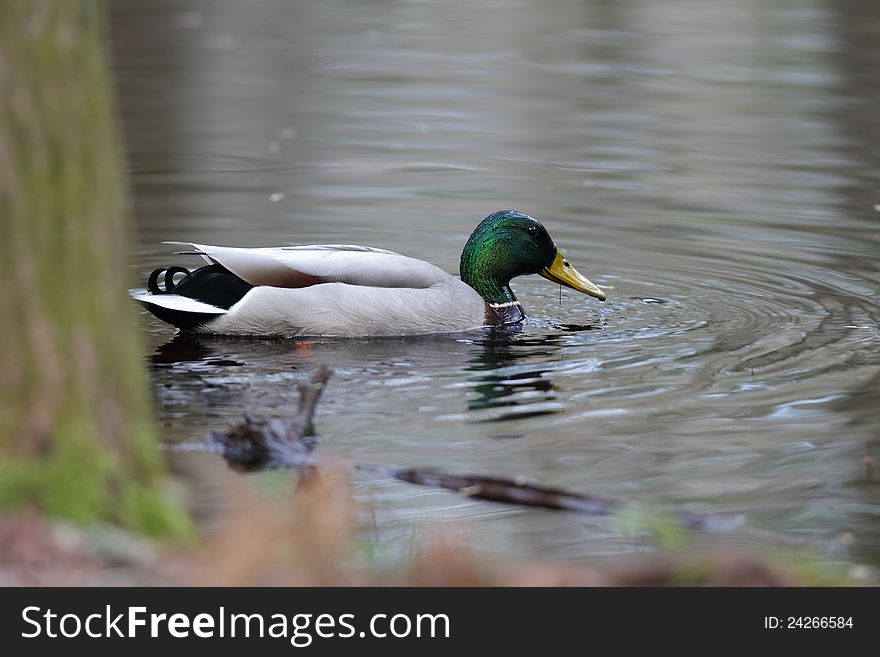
(76, 432)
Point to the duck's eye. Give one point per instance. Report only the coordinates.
(533, 231)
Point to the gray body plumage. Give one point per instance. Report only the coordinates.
(333, 290)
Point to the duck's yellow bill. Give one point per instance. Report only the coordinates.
(564, 273)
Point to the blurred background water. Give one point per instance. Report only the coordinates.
(716, 161)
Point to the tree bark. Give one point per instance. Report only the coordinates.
(76, 430)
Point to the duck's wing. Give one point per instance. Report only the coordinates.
(303, 266)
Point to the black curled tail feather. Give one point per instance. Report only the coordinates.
(211, 284)
(168, 279)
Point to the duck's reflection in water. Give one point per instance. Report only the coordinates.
(505, 373)
(508, 385)
(515, 379)
(187, 348)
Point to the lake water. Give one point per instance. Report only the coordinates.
(716, 162)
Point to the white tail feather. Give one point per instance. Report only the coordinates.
(176, 302)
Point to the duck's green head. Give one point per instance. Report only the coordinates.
(507, 244)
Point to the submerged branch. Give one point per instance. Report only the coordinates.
(511, 491)
(259, 444)
(309, 395)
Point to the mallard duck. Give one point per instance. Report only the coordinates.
(357, 291)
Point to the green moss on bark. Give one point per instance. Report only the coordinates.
(76, 433)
